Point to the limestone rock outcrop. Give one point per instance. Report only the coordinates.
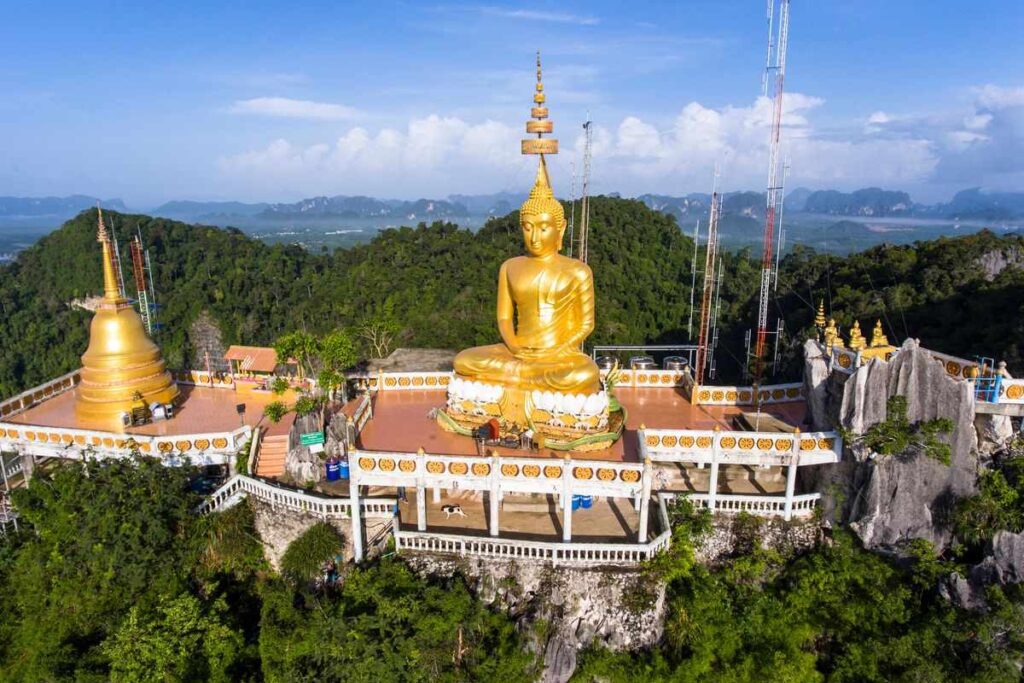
(888, 500)
(301, 465)
(1003, 565)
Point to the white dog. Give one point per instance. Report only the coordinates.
(450, 510)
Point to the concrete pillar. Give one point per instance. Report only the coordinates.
(645, 498)
(421, 491)
(794, 462)
(437, 494)
(357, 526)
(713, 481)
(495, 494)
(567, 499)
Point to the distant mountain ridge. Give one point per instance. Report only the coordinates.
(870, 201)
(64, 207)
(344, 206)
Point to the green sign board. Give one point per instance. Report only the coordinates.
(310, 439)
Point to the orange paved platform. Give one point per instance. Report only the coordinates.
(203, 410)
(400, 423)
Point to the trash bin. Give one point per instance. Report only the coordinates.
(343, 469)
(576, 502)
(334, 469)
(586, 502)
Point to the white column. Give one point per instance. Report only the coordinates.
(437, 494)
(794, 462)
(713, 480)
(421, 491)
(645, 498)
(567, 499)
(357, 526)
(495, 493)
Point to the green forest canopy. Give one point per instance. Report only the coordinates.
(437, 283)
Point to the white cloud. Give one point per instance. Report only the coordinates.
(982, 144)
(283, 107)
(538, 15)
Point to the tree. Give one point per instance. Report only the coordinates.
(380, 333)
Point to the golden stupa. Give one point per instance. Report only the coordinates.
(122, 369)
(545, 303)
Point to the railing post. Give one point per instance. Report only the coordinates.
(713, 480)
(421, 491)
(567, 499)
(357, 527)
(494, 494)
(645, 497)
(794, 462)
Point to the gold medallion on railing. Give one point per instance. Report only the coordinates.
(509, 470)
(764, 444)
(727, 442)
(807, 444)
(531, 471)
(165, 446)
(826, 444)
(407, 465)
(386, 464)
(403, 381)
(390, 382)
(435, 467)
(367, 464)
(745, 396)
(552, 472)
(703, 442)
(583, 473)
(67, 438)
(202, 444)
(605, 474)
(793, 392)
(458, 468)
(481, 469)
(431, 381)
(1014, 392)
(783, 444)
(630, 476)
(730, 396)
(183, 445)
(844, 361)
(746, 443)
(686, 441)
(669, 441)
(652, 440)
(704, 396)
(220, 443)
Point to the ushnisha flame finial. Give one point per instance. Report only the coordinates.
(539, 125)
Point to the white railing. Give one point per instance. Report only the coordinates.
(240, 486)
(254, 451)
(557, 553)
(760, 506)
(30, 397)
(525, 475)
(362, 414)
(60, 442)
(13, 468)
(408, 381)
(844, 360)
(201, 378)
(1011, 391)
(739, 396)
(741, 448)
(650, 378)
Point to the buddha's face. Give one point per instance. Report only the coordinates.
(542, 233)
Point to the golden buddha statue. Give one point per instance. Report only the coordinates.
(545, 309)
(122, 366)
(857, 341)
(831, 335)
(551, 299)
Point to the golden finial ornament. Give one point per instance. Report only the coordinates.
(819, 317)
(856, 342)
(540, 125)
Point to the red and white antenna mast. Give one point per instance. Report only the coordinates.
(775, 73)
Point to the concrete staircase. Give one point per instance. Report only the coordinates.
(273, 451)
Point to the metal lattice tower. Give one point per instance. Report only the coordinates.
(588, 140)
(775, 72)
(707, 296)
(138, 268)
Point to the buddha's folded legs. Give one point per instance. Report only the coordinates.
(569, 373)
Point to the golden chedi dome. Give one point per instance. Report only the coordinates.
(122, 363)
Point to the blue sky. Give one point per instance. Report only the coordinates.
(278, 101)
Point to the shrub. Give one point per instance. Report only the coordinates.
(305, 556)
(275, 411)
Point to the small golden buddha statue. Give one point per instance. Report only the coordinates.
(856, 342)
(878, 337)
(831, 335)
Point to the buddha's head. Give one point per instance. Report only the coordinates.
(542, 217)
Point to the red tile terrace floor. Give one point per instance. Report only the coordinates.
(203, 410)
(400, 423)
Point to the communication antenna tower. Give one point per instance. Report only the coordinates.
(693, 279)
(588, 140)
(139, 269)
(775, 72)
(572, 207)
(782, 228)
(707, 297)
(117, 259)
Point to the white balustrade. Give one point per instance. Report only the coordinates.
(740, 448)
(761, 506)
(240, 486)
(38, 394)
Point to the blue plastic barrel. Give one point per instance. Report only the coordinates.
(586, 502)
(343, 469)
(334, 469)
(576, 502)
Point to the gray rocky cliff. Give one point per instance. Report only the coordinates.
(816, 385)
(301, 465)
(888, 500)
(561, 611)
(1003, 565)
